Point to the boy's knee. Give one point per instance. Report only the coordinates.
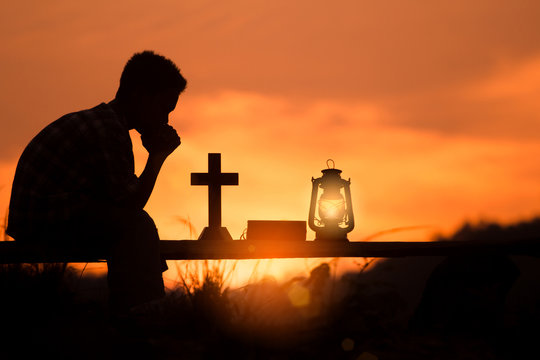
(142, 217)
(143, 222)
(137, 233)
(139, 224)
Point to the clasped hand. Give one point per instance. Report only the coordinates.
(163, 141)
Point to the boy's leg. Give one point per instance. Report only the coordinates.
(134, 266)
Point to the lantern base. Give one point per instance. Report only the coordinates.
(215, 234)
(331, 236)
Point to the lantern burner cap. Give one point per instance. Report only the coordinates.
(331, 172)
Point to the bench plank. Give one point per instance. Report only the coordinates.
(13, 252)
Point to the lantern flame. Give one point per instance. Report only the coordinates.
(332, 210)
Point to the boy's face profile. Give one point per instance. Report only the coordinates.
(150, 111)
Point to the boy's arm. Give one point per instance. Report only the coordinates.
(160, 145)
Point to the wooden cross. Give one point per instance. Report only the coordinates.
(214, 179)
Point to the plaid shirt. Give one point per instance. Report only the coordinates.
(80, 160)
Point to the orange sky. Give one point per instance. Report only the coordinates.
(431, 108)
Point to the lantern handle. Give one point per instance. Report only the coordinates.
(333, 164)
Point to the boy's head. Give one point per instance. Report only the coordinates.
(149, 89)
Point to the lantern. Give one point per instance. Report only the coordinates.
(330, 214)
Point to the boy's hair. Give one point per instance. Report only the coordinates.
(149, 72)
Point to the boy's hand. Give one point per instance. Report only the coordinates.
(163, 141)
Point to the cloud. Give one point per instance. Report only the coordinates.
(411, 58)
(502, 104)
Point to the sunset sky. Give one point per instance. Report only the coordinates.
(430, 107)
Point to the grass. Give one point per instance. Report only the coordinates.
(361, 315)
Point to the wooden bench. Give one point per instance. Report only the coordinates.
(13, 252)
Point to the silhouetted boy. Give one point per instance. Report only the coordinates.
(75, 184)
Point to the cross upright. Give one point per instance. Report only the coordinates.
(214, 179)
